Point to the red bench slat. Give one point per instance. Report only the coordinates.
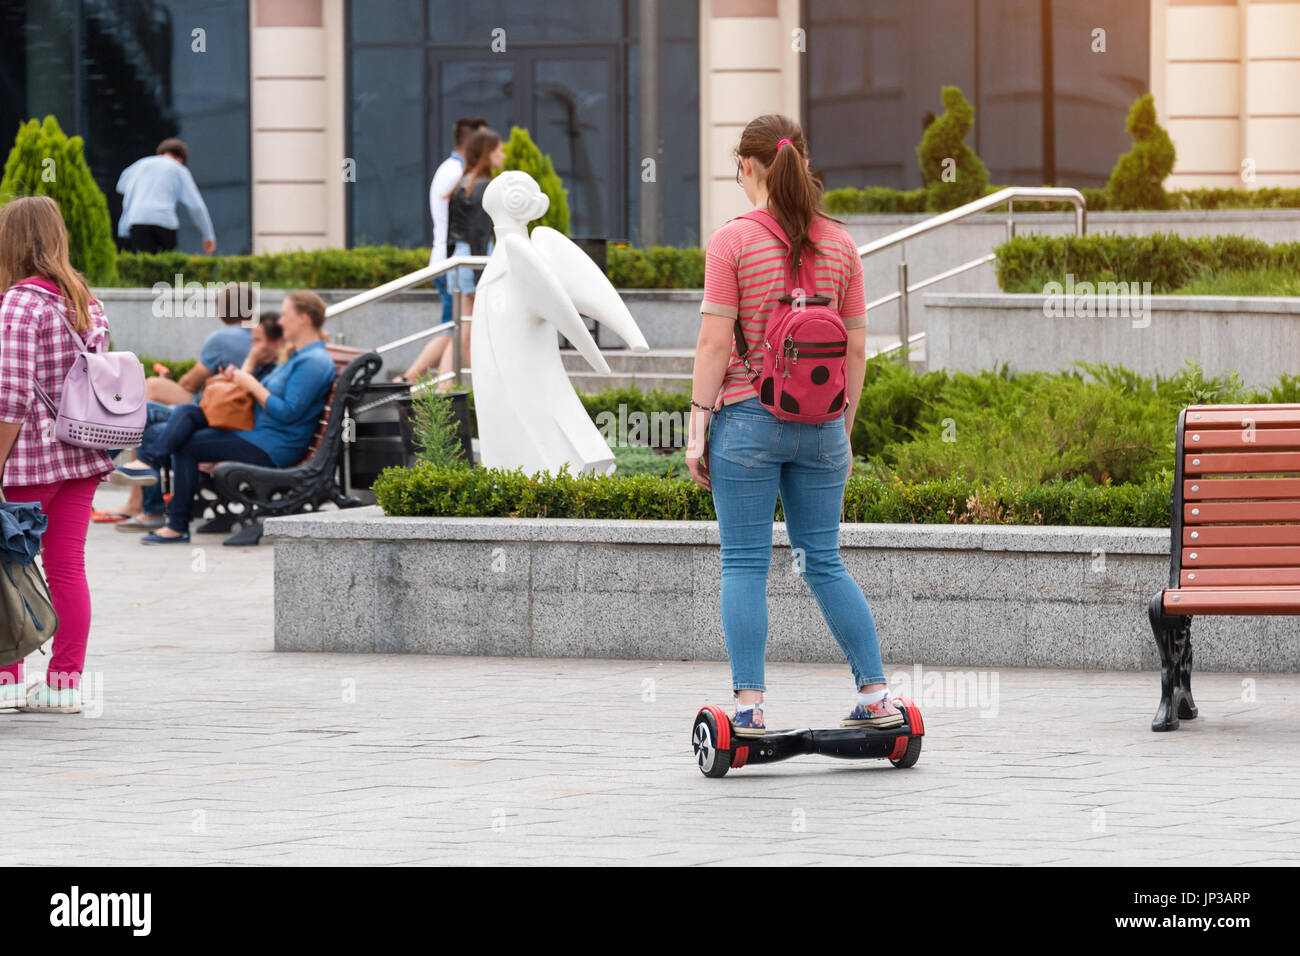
(1240, 512)
(1279, 600)
(1232, 416)
(1241, 439)
(1248, 489)
(1241, 463)
(1243, 577)
(1195, 556)
(1240, 535)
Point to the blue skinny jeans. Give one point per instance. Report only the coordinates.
(753, 455)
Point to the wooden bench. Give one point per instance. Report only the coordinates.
(261, 492)
(1234, 532)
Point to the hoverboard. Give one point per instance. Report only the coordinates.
(718, 749)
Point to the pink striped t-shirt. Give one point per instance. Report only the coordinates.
(745, 274)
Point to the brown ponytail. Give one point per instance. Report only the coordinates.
(794, 197)
(478, 157)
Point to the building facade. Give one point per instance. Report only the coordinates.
(318, 123)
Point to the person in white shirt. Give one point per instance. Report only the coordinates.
(151, 188)
(444, 180)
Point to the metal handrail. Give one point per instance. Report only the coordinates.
(1005, 197)
(403, 283)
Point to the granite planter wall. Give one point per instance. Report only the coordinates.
(357, 581)
(1256, 336)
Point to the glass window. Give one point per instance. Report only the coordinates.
(386, 21)
(455, 22)
(1094, 91)
(390, 197)
(568, 74)
(881, 64)
(135, 80)
(576, 127)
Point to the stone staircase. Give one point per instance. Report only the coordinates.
(668, 369)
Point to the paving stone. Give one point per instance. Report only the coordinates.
(212, 748)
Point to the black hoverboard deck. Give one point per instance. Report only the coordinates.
(718, 749)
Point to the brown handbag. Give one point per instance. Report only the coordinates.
(227, 405)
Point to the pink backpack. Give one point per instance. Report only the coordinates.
(804, 347)
(102, 404)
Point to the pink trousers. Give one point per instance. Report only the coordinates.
(67, 505)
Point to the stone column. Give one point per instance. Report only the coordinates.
(748, 66)
(297, 62)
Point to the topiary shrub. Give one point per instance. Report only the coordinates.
(1137, 181)
(434, 424)
(45, 162)
(943, 155)
(522, 154)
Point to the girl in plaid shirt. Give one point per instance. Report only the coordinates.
(40, 287)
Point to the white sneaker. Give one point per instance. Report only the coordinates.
(13, 696)
(43, 699)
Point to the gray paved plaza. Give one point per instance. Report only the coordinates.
(203, 746)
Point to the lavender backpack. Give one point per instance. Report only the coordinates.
(103, 395)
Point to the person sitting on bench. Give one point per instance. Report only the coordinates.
(144, 505)
(289, 406)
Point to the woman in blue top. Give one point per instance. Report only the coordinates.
(289, 405)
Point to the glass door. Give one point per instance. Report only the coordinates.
(565, 96)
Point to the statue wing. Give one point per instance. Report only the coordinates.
(549, 299)
(589, 289)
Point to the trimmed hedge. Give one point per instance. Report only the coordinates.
(879, 199)
(659, 267)
(1168, 262)
(428, 490)
(362, 268)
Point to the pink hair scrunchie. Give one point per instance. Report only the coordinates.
(784, 142)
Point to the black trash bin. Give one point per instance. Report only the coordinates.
(381, 436)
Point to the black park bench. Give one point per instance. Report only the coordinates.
(1234, 530)
(261, 491)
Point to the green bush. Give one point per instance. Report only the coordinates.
(426, 490)
(878, 199)
(874, 199)
(362, 268)
(944, 142)
(45, 162)
(1137, 181)
(659, 267)
(176, 367)
(434, 425)
(1169, 262)
(1265, 198)
(642, 460)
(522, 154)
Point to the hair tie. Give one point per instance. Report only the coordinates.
(784, 142)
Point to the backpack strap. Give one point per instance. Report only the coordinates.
(44, 285)
(49, 287)
(804, 279)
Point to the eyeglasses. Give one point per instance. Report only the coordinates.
(738, 172)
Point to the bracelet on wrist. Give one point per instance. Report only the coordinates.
(706, 408)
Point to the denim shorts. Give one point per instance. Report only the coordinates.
(463, 279)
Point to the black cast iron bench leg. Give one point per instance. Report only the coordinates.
(1173, 633)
